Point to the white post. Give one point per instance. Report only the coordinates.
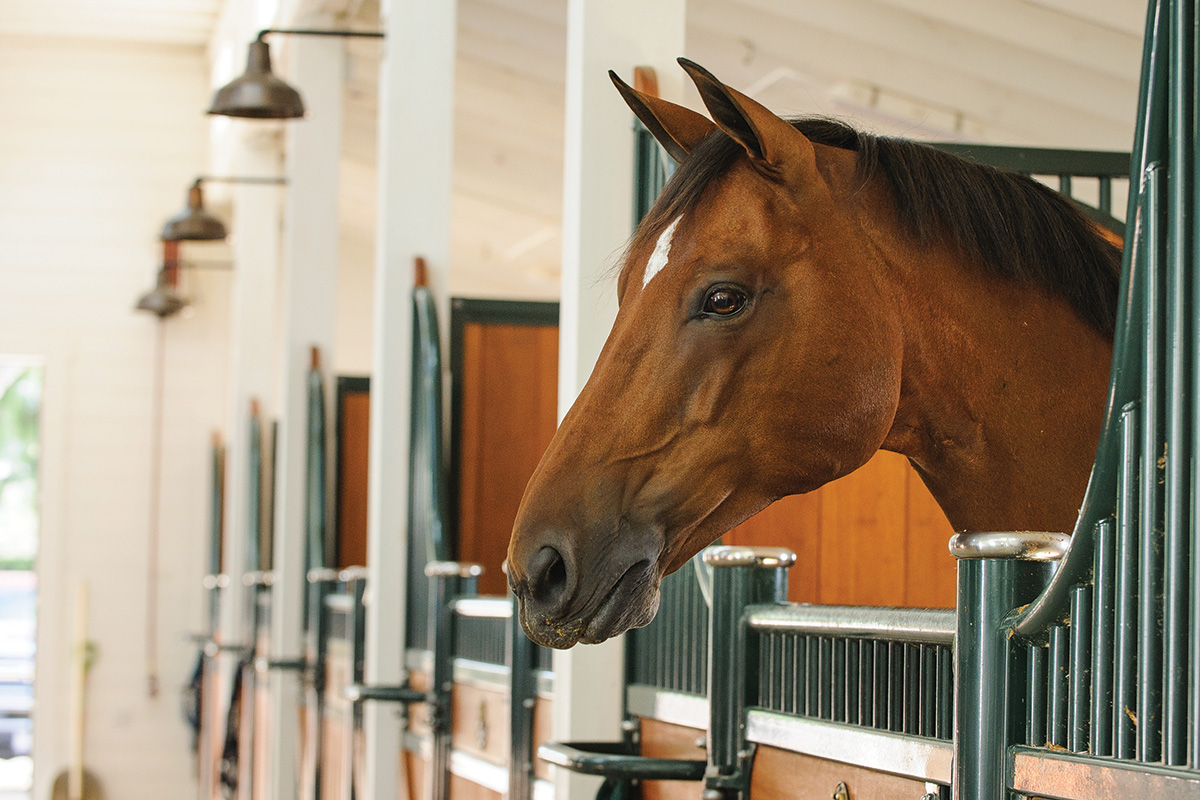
(255, 229)
(416, 113)
(310, 250)
(597, 203)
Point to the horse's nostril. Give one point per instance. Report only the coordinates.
(548, 579)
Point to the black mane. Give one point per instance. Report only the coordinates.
(1017, 227)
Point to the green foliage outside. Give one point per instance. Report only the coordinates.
(20, 404)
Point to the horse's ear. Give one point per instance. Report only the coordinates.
(771, 141)
(676, 128)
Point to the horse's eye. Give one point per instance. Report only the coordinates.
(724, 301)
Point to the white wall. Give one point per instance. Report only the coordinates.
(98, 142)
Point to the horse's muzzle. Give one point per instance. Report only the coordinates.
(560, 605)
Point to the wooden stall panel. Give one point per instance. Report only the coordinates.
(874, 537)
(353, 424)
(543, 713)
(335, 728)
(465, 789)
(508, 414)
(663, 740)
(780, 775)
(480, 722)
(414, 776)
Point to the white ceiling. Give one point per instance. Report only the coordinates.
(1041, 72)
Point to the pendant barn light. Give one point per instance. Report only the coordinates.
(258, 93)
(162, 301)
(195, 223)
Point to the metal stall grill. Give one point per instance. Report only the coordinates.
(671, 652)
(882, 668)
(1110, 655)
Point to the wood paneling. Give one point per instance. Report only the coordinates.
(508, 414)
(464, 789)
(543, 715)
(353, 425)
(480, 721)
(663, 740)
(780, 775)
(874, 537)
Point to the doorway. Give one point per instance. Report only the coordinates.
(20, 455)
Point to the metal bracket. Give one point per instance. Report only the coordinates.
(719, 785)
(362, 693)
(613, 760)
(213, 648)
(265, 665)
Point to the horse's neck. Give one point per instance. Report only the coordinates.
(1002, 394)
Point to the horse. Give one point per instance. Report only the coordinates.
(801, 295)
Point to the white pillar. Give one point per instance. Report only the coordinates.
(255, 242)
(309, 289)
(597, 202)
(416, 112)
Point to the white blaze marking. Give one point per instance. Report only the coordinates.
(662, 249)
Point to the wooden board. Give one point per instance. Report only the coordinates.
(506, 415)
(874, 537)
(780, 775)
(663, 740)
(480, 722)
(353, 446)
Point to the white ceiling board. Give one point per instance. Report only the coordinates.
(728, 38)
(870, 29)
(1024, 27)
(1126, 16)
(188, 22)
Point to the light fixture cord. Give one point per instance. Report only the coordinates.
(152, 539)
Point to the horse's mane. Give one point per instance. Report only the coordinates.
(1017, 227)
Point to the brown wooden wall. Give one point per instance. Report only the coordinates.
(874, 537)
(507, 411)
(352, 459)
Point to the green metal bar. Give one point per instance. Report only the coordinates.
(989, 589)
(1035, 697)
(1056, 699)
(866, 684)
(1151, 487)
(216, 530)
(1125, 588)
(742, 576)
(1193, 712)
(945, 726)
(1044, 160)
(898, 681)
(614, 761)
(317, 550)
(1079, 710)
(254, 493)
(1105, 202)
(1179, 341)
(1102, 640)
(853, 685)
(522, 697)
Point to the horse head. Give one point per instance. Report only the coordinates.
(752, 357)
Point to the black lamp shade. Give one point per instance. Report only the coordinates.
(258, 94)
(162, 301)
(193, 224)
